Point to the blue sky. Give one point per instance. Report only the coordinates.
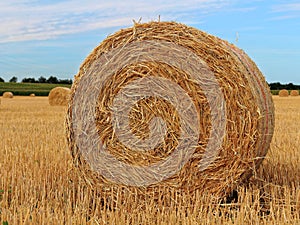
(51, 37)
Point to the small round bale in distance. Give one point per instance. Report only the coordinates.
(59, 96)
(32, 95)
(248, 108)
(8, 94)
(283, 93)
(294, 93)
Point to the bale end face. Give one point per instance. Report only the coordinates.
(141, 75)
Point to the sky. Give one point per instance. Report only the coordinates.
(52, 38)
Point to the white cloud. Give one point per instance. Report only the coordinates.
(287, 7)
(23, 20)
(286, 11)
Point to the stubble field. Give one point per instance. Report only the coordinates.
(39, 185)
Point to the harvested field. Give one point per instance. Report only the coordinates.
(39, 184)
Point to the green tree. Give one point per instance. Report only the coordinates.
(65, 81)
(28, 80)
(1, 79)
(42, 79)
(13, 79)
(52, 80)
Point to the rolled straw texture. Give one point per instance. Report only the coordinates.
(283, 93)
(298, 201)
(8, 94)
(59, 96)
(225, 74)
(294, 93)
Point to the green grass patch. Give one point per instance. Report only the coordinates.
(39, 89)
(26, 89)
(275, 92)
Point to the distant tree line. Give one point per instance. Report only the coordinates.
(279, 86)
(55, 80)
(50, 80)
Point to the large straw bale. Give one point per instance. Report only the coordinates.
(227, 149)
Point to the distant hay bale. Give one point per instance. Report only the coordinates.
(283, 93)
(294, 93)
(59, 96)
(32, 95)
(8, 95)
(169, 71)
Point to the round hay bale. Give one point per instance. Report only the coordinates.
(32, 95)
(8, 94)
(59, 96)
(162, 104)
(294, 93)
(283, 93)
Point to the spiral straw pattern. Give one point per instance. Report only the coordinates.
(162, 104)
